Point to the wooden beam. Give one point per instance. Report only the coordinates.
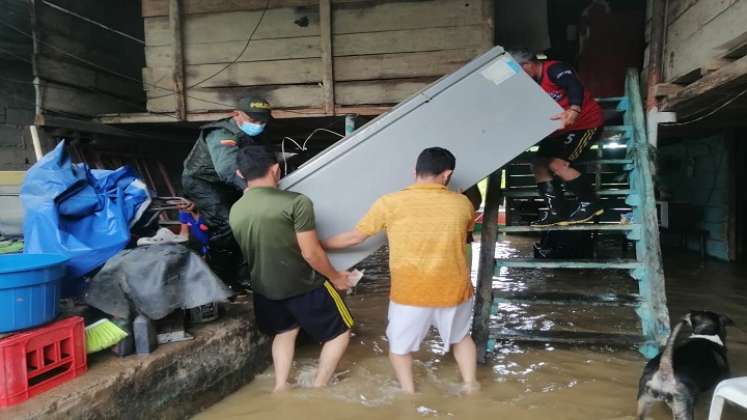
(655, 51)
(725, 76)
(155, 118)
(734, 192)
(39, 98)
(12, 177)
(175, 23)
(666, 89)
(328, 75)
(488, 24)
(49, 121)
(714, 64)
(486, 266)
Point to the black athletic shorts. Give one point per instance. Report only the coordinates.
(570, 145)
(321, 313)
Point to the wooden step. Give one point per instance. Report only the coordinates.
(568, 337)
(534, 194)
(609, 99)
(561, 298)
(614, 264)
(604, 162)
(618, 129)
(593, 227)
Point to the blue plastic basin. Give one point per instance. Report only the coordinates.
(29, 289)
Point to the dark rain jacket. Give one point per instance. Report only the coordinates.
(213, 157)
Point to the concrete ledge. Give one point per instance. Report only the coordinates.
(175, 382)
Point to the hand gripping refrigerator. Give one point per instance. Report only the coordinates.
(486, 113)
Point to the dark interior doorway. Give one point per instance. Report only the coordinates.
(738, 211)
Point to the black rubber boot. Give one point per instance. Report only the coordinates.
(588, 203)
(553, 195)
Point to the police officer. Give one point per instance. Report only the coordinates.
(581, 121)
(210, 180)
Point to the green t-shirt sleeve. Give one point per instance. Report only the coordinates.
(303, 214)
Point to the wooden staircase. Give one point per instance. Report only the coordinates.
(624, 183)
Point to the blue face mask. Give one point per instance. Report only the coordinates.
(252, 129)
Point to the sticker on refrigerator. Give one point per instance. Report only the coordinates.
(500, 70)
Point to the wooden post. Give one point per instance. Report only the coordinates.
(653, 313)
(734, 191)
(328, 76)
(486, 266)
(488, 18)
(35, 33)
(655, 51)
(175, 24)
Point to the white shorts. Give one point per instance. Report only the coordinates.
(408, 325)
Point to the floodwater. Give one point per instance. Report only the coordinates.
(521, 381)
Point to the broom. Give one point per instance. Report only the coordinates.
(103, 334)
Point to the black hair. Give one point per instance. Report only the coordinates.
(253, 161)
(433, 161)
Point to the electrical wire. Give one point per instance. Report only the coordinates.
(126, 77)
(243, 50)
(302, 147)
(22, 82)
(149, 84)
(235, 60)
(713, 112)
(10, 53)
(92, 22)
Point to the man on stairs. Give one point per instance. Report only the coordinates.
(581, 125)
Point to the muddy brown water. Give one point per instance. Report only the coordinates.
(521, 381)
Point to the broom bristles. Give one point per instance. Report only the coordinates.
(103, 334)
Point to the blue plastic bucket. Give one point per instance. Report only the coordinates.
(29, 289)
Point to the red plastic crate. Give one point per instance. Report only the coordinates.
(35, 361)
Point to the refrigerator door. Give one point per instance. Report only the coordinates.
(485, 113)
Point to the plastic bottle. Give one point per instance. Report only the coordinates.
(146, 339)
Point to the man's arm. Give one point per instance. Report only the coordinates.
(223, 150)
(563, 75)
(373, 222)
(344, 240)
(314, 254)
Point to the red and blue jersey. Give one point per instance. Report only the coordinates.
(560, 82)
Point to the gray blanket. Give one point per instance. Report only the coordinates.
(154, 280)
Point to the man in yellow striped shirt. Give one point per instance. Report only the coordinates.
(427, 228)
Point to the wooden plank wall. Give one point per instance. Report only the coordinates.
(382, 51)
(700, 33)
(77, 61)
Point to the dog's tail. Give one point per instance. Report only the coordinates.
(666, 370)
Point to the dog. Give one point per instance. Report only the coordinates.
(679, 374)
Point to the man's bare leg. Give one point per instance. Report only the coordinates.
(283, 348)
(541, 170)
(465, 354)
(563, 169)
(403, 369)
(332, 352)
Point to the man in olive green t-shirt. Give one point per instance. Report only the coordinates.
(293, 281)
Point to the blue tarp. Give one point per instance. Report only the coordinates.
(81, 213)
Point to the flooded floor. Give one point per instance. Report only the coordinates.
(521, 381)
